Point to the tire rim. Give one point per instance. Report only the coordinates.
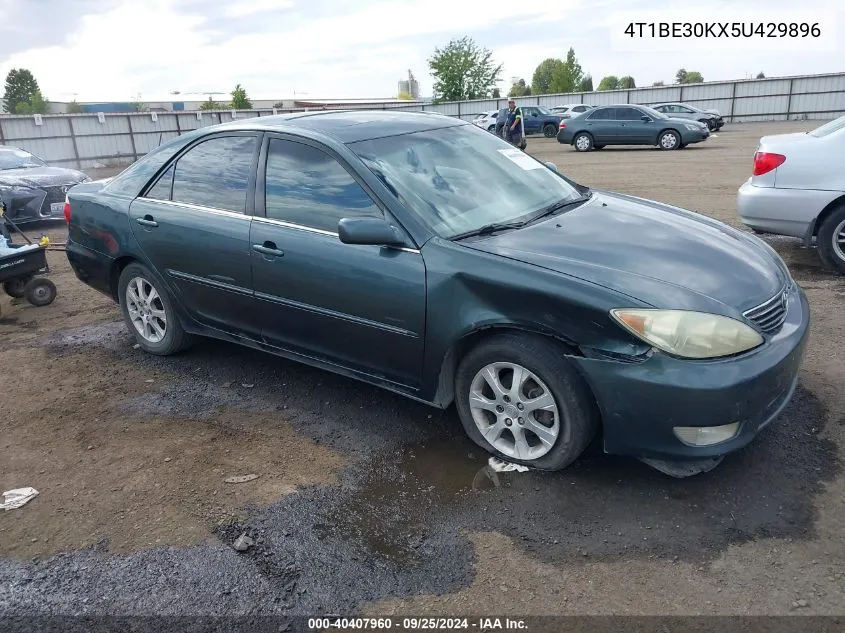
(41, 293)
(146, 310)
(514, 411)
(839, 240)
(550, 131)
(668, 141)
(582, 143)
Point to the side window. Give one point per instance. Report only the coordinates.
(601, 114)
(215, 173)
(306, 186)
(161, 190)
(580, 108)
(684, 109)
(628, 114)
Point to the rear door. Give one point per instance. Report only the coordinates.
(362, 307)
(192, 224)
(602, 125)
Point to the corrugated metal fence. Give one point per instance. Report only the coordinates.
(92, 140)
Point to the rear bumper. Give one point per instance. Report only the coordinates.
(641, 403)
(781, 211)
(90, 267)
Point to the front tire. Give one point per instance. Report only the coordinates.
(669, 140)
(709, 123)
(583, 142)
(549, 130)
(519, 398)
(149, 312)
(831, 240)
(40, 292)
(491, 128)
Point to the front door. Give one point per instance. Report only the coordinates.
(192, 224)
(362, 307)
(632, 128)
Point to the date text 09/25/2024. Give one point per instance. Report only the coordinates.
(417, 624)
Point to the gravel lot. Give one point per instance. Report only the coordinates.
(366, 502)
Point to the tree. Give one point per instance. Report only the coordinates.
(683, 76)
(405, 96)
(519, 89)
(279, 105)
(761, 75)
(541, 83)
(462, 70)
(20, 89)
(38, 105)
(496, 93)
(657, 83)
(74, 108)
(627, 82)
(585, 85)
(139, 106)
(611, 82)
(211, 105)
(239, 99)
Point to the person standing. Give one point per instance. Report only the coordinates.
(514, 131)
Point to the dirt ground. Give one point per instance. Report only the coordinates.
(367, 500)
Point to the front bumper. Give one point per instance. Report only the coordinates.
(690, 136)
(642, 402)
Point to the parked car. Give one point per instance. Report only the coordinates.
(684, 111)
(629, 125)
(418, 253)
(486, 120)
(571, 109)
(797, 188)
(539, 120)
(30, 189)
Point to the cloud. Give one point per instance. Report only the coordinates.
(251, 7)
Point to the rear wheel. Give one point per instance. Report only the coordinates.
(831, 240)
(583, 142)
(519, 398)
(149, 313)
(669, 140)
(549, 130)
(40, 292)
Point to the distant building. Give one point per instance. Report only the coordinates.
(410, 86)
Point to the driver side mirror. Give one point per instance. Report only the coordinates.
(551, 166)
(369, 231)
(646, 119)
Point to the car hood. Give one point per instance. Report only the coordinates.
(660, 255)
(680, 120)
(35, 177)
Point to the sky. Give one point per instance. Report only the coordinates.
(114, 50)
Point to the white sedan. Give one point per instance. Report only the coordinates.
(486, 120)
(570, 110)
(798, 189)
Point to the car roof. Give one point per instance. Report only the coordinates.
(349, 126)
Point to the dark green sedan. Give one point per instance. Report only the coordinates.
(423, 255)
(629, 125)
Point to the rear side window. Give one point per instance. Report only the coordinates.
(215, 173)
(307, 187)
(603, 114)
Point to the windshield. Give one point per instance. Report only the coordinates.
(18, 159)
(829, 128)
(653, 113)
(459, 179)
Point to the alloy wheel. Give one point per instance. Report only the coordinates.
(839, 240)
(146, 310)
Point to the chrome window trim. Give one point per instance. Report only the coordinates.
(199, 207)
(308, 229)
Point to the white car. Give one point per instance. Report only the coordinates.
(798, 189)
(486, 120)
(570, 110)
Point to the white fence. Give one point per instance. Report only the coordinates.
(92, 140)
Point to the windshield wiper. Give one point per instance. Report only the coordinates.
(558, 206)
(487, 229)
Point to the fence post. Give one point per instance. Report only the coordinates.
(2, 142)
(178, 127)
(73, 141)
(132, 136)
(681, 94)
(628, 96)
(459, 109)
(538, 99)
(789, 100)
(733, 102)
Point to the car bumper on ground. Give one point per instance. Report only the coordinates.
(641, 403)
(781, 211)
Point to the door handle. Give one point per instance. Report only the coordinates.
(147, 220)
(268, 248)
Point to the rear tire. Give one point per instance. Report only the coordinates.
(40, 292)
(149, 313)
(549, 130)
(559, 426)
(582, 142)
(831, 240)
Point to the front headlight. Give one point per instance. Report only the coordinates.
(693, 127)
(688, 334)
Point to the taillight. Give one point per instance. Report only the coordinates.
(67, 210)
(562, 125)
(764, 162)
